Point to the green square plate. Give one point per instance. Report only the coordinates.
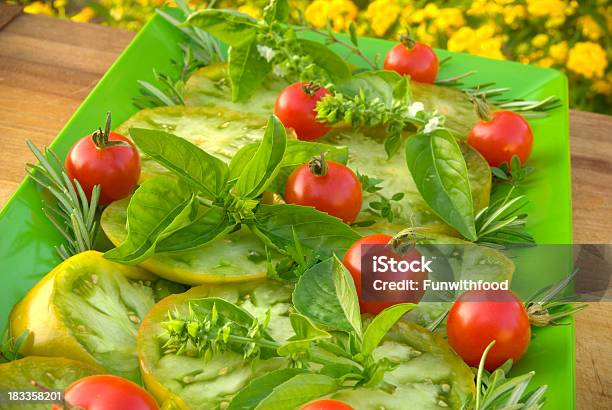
(27, 239)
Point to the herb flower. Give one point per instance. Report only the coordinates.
(587, 59)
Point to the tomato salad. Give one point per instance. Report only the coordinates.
(235, 210)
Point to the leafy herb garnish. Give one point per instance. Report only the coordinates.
(268, 46)
(200, 50)
(207, 199)
(73, 214)
(382, 206)
(515, 173)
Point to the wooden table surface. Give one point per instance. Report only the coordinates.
(48, 66)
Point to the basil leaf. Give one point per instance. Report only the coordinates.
(208, 226)
(247, 70)
(392, 144)
(203, 171)
(296, 153)
(440, 174)
(265, 164)
(315, 230)
(159, 207)
(305, 333)
(298, 390)
(381, 324)
(353, 33)
(258, 389)
(324, 57)
(326, 294)
(277, 10)
(231, 27)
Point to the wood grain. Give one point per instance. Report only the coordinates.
(8, 12)
(48, 66)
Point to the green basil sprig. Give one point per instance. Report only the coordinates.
(211, 199)
(158, 208)
(440, 174)
(206, 173)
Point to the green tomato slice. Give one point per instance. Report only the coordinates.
(429, 376)
(429, 372)
(50, 372)
(191, 382)
(239, 256)
(210, 87)
(88, 309)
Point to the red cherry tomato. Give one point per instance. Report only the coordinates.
(327, 405)
(295, 107)
(506, 134)
(107, 159)
(326, 185)
(352, 261)
(107, 392)
(479, 317)
(415, 59)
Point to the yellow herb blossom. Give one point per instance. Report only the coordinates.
(603, 86)
(431, 10)
(406, 15)
(514, 13)
(590, 28)
(449, 19)
(84, 16)
(340, 12)
(482, 41)
(424, 34)
(251, 10)
(38, 7)
(558, 51)
(539, 40)
(546, 62)
(382, 15)
(546, 8)
(486, 7)
(587, 59)
(59, 4)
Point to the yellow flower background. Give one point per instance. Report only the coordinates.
(571, 36)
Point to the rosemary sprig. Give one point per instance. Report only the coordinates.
(495, 391)
(501, 222)
(73, 215)
(527, 108)
(546, 306)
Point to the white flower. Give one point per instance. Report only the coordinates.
(266, 52)
(415, 108)
(279, 71)
(431, 125)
